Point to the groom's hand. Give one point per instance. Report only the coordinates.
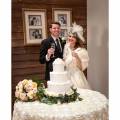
(50, 52)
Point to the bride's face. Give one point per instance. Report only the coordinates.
(71, 40)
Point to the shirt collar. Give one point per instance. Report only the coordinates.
(54, 38)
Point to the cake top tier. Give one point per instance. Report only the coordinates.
(58, 65)
(58, 61)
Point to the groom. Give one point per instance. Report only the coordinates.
(51, 48)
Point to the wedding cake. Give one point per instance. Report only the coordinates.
(59, 82)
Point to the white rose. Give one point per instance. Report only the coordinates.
(34, 90)
(23, 96)
(30, 94)
(25, 81)
(20, 90)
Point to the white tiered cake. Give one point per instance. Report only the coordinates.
(59, 83)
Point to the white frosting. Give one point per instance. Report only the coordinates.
(59, 83)
(59, 88)
(59, 77)
(58, 65)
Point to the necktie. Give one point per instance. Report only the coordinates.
(58, 45)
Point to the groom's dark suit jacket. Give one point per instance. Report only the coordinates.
(45, 45)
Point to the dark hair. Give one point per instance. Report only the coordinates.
(78, 40)
(57, 23)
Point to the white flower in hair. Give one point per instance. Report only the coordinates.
(79, 30)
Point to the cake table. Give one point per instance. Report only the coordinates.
(94, 106)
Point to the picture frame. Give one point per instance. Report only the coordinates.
(35, 26)
(64, 17)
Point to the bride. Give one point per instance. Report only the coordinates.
(76, 58)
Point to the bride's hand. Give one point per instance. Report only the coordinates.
(74, 54)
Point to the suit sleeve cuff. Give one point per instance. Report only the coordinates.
(47, 58)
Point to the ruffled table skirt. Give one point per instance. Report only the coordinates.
(94, 106)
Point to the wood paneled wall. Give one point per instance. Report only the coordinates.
(25, 59)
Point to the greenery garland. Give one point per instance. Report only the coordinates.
(59, 99)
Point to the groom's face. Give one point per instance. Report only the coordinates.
(55, 30)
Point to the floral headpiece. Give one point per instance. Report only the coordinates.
(78, 30)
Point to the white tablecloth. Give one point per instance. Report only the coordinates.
(94, 106)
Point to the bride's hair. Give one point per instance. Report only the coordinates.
(77, 32)
(79, 42)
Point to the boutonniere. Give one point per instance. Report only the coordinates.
(64, 39)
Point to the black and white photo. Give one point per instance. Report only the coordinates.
(34, 26)
(62, 19)
(35, 34)
(35, 20)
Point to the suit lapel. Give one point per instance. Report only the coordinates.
(51, 40)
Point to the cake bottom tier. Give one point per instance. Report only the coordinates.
(58, 88)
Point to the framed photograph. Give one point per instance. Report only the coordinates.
(34, 26)
(63, 33)
(64, 17)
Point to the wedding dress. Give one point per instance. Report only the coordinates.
(75, 74)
